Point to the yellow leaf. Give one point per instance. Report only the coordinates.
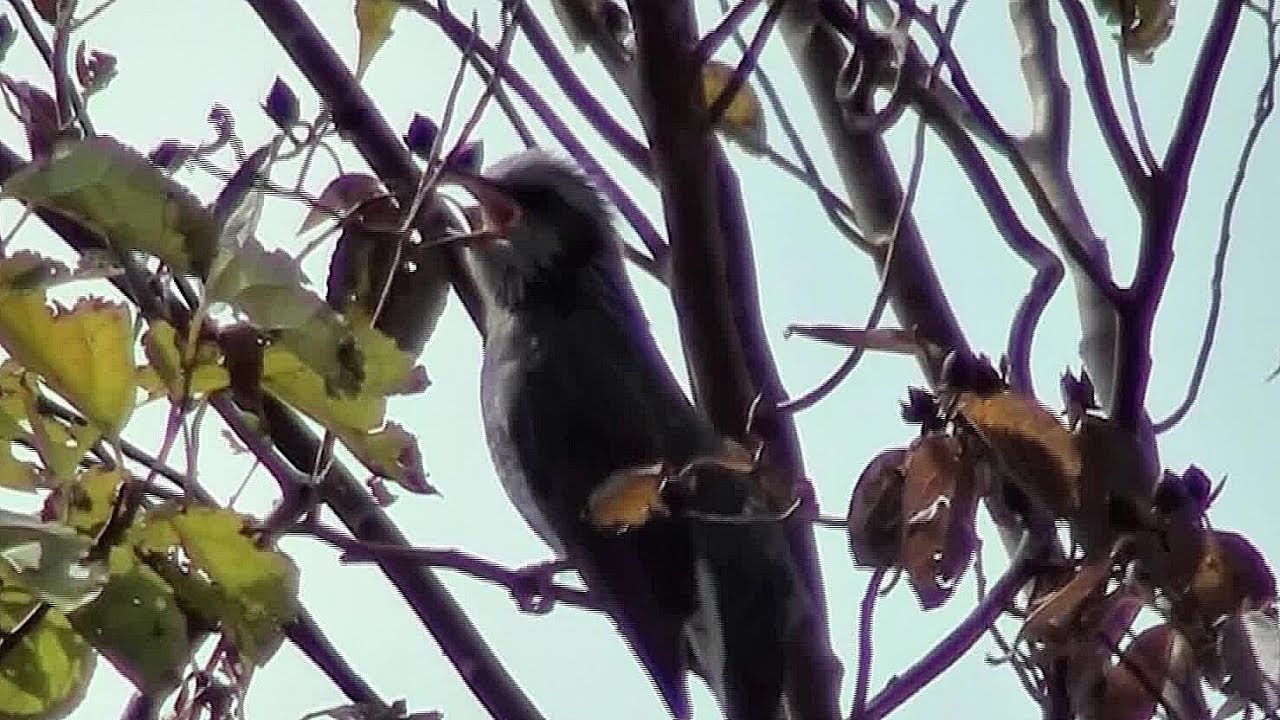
(219, 571)
(743, 117)
(138, 625)
(627, 498)
(85, 353)
(373, 21)
(14, 473)
(90, 501)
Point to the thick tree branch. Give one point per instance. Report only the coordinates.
(1160, 222)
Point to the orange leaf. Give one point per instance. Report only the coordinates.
(937, 489)
(627, 498)
(1035, 448)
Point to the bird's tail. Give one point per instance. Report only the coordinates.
(758, 640)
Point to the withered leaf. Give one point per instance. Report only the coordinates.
(1033, 446)
(1158, 659)
(627, 498)
(937, 539)
(875, 511)
(1056, 617)
(1231, 576)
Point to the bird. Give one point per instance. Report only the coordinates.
(575, 390)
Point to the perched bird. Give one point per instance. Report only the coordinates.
(575, 390)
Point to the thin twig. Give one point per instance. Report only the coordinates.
(748, 63)
(1135, 112)
(1262, 112)
(865, 617)
(728, 25)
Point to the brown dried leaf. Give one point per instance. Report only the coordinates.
(1036, 449)
(1158, 660)
(937, 488)
(1232, 576)
(1057, 617)
(628, 498)
(875, 511)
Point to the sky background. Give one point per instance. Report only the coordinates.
(179, 57)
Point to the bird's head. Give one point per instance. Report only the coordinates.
(553, 230)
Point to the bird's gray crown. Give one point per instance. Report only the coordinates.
(563, 231)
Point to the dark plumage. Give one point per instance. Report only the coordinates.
(574, 388)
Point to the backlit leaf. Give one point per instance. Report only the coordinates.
(137, 624)
(84, 353)
(373, 22)
(743, 117)
(251, 591)
(48, 561)
(1038, 452)
(116, 192)
(627, 498)
(206, 374)
(875, 511)
(45, 674)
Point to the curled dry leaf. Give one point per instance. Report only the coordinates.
(1249, 647)
(1232, 576)
(875, 511)
(1057, 617)
(342, 195)
(1040, 455)
(938, 506)
(1158, 660)
(628, 498)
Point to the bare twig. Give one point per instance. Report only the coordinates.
(865, 619)
(750, 60)
(1262, 112)
(728, 25)
(1135, 112)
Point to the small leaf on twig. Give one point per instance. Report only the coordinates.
(743, 117)
(628, 498)
(47, 671)
(373, 22)
(1144, 24)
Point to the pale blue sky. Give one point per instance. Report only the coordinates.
(177, 58)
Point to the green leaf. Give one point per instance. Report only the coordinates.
(161, 346)
(118, 193)
(138, 625)
(46, 673)
(219, 571)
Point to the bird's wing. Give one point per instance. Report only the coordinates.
(565, 408)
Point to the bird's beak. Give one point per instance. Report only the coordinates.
(495, 213)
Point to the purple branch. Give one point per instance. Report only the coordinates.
(461, 36)
(749, 62)
(305, 633)
(957, 642)
(1262, 112)
(732, 20)
(355, 115)
(1169, 194)
(865, 617)
(1104, 111)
